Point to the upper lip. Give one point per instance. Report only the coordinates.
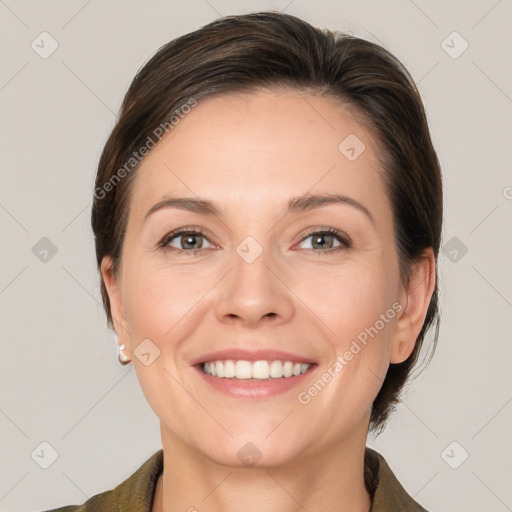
(250, 355)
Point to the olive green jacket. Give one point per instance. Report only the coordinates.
(137, 492)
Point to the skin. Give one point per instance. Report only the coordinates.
(250, 153)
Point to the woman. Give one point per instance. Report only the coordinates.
(267, 217)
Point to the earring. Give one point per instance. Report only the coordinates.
(121, 356)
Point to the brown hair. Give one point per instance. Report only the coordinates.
(269, 50)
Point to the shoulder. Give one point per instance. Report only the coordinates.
(388, 494)
(106, 501)
(135, 494)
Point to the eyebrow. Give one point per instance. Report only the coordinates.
(295, 205)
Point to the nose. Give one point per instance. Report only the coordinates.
(254, 293)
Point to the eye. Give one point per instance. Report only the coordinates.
(184, 241)
(325, 240)
(190, 240)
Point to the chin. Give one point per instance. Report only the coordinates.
(250, 455)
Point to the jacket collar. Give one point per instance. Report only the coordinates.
(137, 492)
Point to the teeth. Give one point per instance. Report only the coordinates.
(229, 369)
(260, 370)
(288, 369)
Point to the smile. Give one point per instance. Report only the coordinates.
(253, 370)
(260, 379)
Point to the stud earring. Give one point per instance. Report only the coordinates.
(121, 356)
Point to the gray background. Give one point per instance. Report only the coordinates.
(60, 381)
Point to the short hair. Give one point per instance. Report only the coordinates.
(244, 53)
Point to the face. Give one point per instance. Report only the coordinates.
(316, 279)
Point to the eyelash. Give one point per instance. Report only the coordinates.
(342, 237)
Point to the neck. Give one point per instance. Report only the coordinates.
(331, 480)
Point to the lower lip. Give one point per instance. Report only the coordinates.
(240, 388)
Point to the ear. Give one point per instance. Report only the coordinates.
(116, 302)
(416, 297)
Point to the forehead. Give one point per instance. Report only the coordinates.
(261, 148)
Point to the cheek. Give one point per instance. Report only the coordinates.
(164, 305)
(348, 298)
(356, 304)
(160, 300)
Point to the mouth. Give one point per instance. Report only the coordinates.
(253, 371)
(254, 374)
(254, 379)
